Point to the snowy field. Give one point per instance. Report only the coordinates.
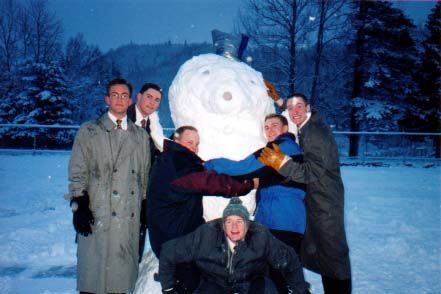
(392, 219)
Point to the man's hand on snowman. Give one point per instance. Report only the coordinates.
(274, 157)
(272, 92)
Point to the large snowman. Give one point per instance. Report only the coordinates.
(226, 100)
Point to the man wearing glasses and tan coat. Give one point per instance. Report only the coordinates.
(108, 172)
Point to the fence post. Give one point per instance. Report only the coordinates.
(362, 148)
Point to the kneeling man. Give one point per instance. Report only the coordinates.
(233, 255)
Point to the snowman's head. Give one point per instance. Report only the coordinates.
(213, 84)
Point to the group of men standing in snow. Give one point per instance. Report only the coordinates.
(126, 177)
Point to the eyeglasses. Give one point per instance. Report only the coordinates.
(123, 96)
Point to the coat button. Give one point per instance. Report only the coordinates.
(133, 192)
(113, 213)
(115, 192)
(133, 171)
(115, 170)
(133, 214)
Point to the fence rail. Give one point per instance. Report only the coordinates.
(371, 144)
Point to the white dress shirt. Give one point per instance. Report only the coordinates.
(156, 130)
(123, 123)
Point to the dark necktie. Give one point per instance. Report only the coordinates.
(152, 144)
(118, 124)
(147, 126)
(143, 122)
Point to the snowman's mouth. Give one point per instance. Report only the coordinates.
(227, 96)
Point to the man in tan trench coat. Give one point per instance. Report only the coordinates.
(108, 172)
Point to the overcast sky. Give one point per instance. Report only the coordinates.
(112, 23)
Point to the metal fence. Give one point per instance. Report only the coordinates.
(392, 145)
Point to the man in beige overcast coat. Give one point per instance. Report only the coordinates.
(108, 173)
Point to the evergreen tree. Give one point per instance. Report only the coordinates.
(423, 112)
(8, 109)
(88, 72)
(42, 97)
(384, 66)
(390, 58)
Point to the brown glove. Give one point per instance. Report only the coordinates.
(272, 157)
(271, 90)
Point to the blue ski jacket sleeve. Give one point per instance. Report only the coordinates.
(250, 163)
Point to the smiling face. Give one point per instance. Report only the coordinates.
(273, 128)
(235, 228)
(148, 102)
(297, 109)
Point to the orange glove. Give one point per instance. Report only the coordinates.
(272, 157)
(271, 90)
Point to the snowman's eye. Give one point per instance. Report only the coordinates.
(206, 72)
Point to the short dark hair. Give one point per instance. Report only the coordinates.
(147, 86)
(179, 131)
(119, 82)
(299, 95)
(282, 119)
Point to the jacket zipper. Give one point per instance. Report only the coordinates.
(230, 262)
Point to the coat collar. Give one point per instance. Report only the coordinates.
(109, 125)
(173, 147)
(130, 141)
(184, 160)
(106, 122)
(308, 117)
(281, 138)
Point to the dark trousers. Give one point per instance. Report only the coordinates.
(293, 240)
(334, 286)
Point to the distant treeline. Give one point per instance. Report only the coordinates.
(363, 64)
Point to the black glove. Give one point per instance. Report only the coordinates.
(142, 228)
(82, 216)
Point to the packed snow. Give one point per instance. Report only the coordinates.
(392, 219)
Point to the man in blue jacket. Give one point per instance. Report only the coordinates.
(280, 203)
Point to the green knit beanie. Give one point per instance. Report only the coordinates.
(235, 207)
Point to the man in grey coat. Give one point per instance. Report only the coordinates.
(324, 248)
(108, 172)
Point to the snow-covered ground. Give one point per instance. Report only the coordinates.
(392, 219)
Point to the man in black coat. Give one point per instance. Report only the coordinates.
(324, 249)
(144, 114)
(177, 184)
(233, 255)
